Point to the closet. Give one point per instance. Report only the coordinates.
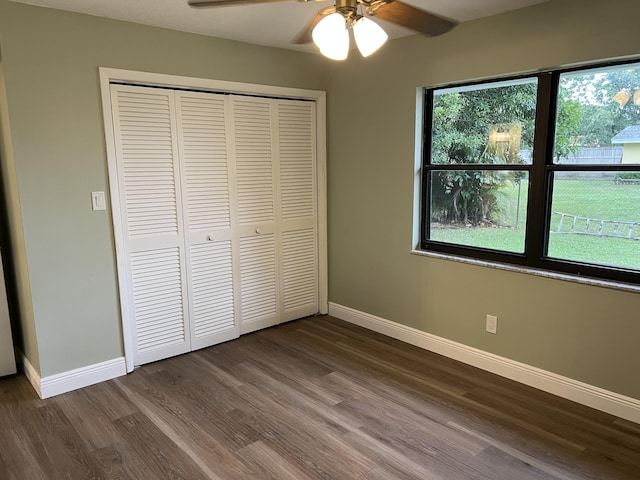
(217, 213)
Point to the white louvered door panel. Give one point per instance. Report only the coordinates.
(254, 161)
(157, 296)
(258, 281)
(149, 187)
(297, 206)
(212, 291)
(256, 219)
(206, 174)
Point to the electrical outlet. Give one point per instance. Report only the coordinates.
(492, 324)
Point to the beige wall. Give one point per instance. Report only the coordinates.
(15, 259)
(50, 60)
(631, 153)
(583, 332)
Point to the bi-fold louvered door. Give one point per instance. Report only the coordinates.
(204, 146)
(152, 221)
(218, 214)
(298, 222)
(277, 220)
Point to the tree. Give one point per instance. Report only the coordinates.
(592, 108)
(569, 117)
(462, 122)
(601, 117)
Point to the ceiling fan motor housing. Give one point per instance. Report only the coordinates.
(348, 9)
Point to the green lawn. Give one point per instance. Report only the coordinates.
(598, 199)
(510, 240)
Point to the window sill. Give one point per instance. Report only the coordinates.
(626, 287)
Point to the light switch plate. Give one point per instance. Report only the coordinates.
(492, 324)
(98, 201)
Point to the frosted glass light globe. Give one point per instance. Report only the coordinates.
(332, 37)
(369, 36)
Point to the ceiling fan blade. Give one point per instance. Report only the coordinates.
(305, 35)
(221, 3)
(406, 15)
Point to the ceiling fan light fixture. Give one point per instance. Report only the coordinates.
(332, 37)
(369, 36)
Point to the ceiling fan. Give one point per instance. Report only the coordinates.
(329, 28)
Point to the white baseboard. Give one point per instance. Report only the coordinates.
(32, 375)
(579, 392)
(73, 379)
(82, 377)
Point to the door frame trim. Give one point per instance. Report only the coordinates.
(147, 79)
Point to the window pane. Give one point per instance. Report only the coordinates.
(596, 219)
(479, 208)
(491, 123)
(598, 119)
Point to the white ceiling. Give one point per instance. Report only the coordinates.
(273, 24)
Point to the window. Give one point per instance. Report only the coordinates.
(541, 171)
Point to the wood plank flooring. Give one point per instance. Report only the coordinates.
(312, 399)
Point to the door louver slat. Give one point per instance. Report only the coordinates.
(254, 163)
(299, 269)
(212, 285)
(203, 128)
(297, 160)
(147, 162)
(258, 277)
(158, 323)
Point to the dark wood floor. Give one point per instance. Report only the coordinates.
(312, 399)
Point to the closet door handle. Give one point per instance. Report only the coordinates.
(258, 230)
(210, 238)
